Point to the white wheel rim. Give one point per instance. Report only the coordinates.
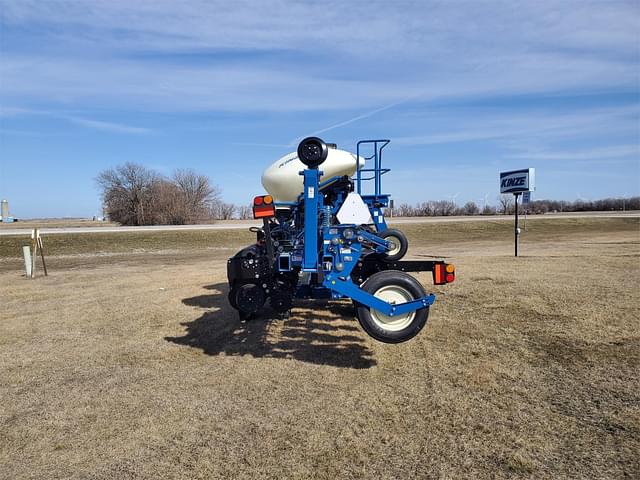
(393, 294)
(395, 245)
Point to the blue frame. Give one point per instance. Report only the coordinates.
(341, 251)
(377, 169)
(312, 204)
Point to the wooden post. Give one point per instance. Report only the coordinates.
(44, 265)
(36, 243)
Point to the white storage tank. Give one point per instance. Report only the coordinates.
(5, 209)
(282, 179)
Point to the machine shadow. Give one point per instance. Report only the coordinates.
(316, 332)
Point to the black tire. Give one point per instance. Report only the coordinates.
(312, 151)
(400, 241)
(249, 298)
(389, 285)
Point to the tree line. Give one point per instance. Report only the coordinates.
(506, 206)
(136, 195)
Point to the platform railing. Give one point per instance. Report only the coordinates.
(377, 170)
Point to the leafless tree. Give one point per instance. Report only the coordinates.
(196, 194)
(506, 203)
(404, 210)
(444, 208)
(245, 212)
(470, 208)
(127, 193)
(223, 210)
(426, 209)
(489, 210)
(136, 195)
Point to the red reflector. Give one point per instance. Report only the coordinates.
(450, 277)
(264, 211)
(257, 201)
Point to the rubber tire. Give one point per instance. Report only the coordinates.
(404, 244)
(392, 278)
(256, 294)
(312, 151)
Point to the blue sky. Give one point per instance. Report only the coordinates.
(463, 89)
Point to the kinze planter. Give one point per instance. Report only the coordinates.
(321, 239)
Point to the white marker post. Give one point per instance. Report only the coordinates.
(26, 253)
(34, 250)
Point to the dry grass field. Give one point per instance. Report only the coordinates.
(56, 222)
(127, 362)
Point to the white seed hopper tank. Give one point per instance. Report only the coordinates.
(282, 179)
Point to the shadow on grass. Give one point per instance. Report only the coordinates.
(316, 332)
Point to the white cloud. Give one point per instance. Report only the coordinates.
(475, 125)
(604, 153)
(304, 56)
(106, 126)
(374, 27)
(91, 123)
(158, 87)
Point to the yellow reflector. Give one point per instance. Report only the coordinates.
(268, 199)
(450, 268)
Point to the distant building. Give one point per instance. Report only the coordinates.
(4, 210)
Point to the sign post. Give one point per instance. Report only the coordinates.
(517, 182)
(516, 230)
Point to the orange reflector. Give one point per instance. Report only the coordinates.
(438, 274)
(257, 201)
(450, 268)
(268, 199)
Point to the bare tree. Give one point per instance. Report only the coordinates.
(245, 212)
(426, 209)
(404, 210)
(196, 193)
(506, 203)
(444, 207)
(223, 210)
(489, 210)
(470, 208)
(127, 193)
(136, 195)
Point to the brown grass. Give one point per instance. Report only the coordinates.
(133, 366)
(56, 222)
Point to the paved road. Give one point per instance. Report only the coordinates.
(242, 225)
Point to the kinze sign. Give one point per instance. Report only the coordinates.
(517, 181)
